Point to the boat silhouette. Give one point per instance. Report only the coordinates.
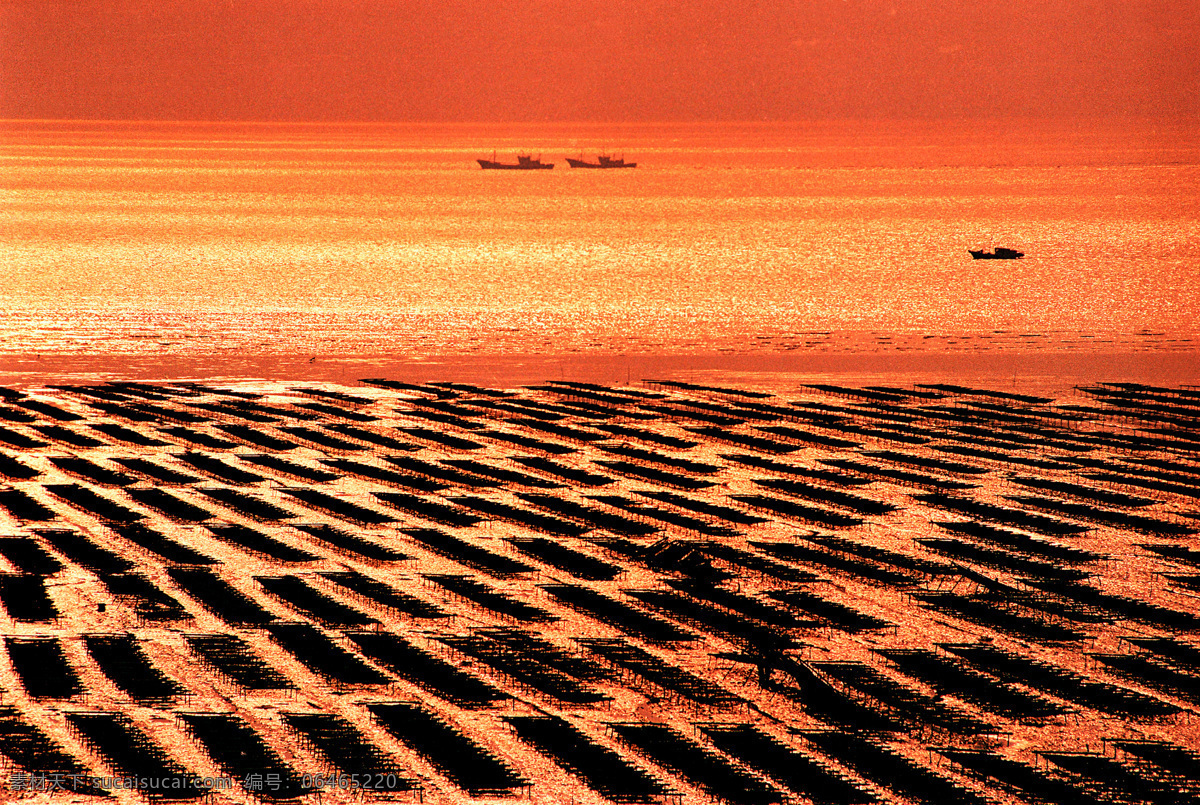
(525, 162)
(1000, 253)
(602, 161)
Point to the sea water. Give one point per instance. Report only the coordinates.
(199, 239)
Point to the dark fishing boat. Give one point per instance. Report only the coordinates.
(524, 163)
(603, 161)
(1000, 253)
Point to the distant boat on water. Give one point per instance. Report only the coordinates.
(525, 162)
(1000, 253)
(602, 161)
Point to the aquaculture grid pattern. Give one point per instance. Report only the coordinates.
(581, 593)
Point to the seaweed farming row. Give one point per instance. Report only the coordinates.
(575, 592)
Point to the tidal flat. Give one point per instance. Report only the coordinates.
(589, 592)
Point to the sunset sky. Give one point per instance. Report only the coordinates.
(596, 59)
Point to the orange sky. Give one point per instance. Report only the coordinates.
(481, 60)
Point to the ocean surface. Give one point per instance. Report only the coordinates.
(186, 241)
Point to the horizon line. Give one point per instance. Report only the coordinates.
(1195, 116)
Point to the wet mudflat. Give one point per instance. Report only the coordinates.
(587, 592)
